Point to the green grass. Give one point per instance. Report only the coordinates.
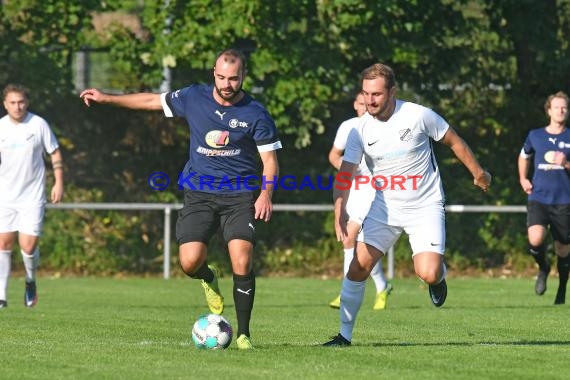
(91, 328)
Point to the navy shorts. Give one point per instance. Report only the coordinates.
(557, 217)
(203, 213)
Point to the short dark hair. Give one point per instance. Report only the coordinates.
(559, 94)
(231, 56)
(20, 89)
(379, 70)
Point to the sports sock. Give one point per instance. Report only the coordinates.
(443, 273)
(5, 266)
(563, 266)
(31, 262)
(203, 273)
(244, 294)
(377, 275)
(348, 255)
(351, 297)
(539, 255)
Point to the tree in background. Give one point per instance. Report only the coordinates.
(477, 61)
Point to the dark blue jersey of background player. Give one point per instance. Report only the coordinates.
(225, 141)
(550, 181)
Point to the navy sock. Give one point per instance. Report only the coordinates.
(244, 294)
(539, 255)
(563, 266)
(203, 273)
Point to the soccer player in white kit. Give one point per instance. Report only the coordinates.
(24, 137)
(395, 139)
(357, 206)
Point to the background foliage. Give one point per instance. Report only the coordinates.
(476, 62)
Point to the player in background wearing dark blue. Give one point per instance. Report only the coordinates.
(229, 130)
(547, 150)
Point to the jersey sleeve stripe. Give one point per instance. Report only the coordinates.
(166, 106)
(269, 147)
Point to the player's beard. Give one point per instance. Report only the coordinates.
(231, 95)
(380, 111)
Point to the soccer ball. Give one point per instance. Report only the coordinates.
(212, 332)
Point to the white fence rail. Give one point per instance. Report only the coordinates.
(167, 208)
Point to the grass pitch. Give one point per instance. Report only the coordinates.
(92, 328)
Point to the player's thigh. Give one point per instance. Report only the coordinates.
(8, 219)
(237, 217)
(378, 234)
(198, 219)
(30, 220)
(537, 221)
(359, 202)
(560, 228)
(560, 223)
(426, 230)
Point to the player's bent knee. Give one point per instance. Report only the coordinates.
(428, 275)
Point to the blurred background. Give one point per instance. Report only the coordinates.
(487, 66)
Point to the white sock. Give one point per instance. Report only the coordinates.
(5, 266)
(31, 263)
(377, 275)
(348, 254)
(443, 273)
(351, 297)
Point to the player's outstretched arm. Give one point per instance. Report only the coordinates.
(138, 101)
(481, 177)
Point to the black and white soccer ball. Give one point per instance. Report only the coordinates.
(212, 332)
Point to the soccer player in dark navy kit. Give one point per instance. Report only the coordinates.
(549, 192)
(229, 130)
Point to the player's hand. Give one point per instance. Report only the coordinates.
(91, 94)
(56, 193)
(526, 185)
(483, 181)
(340, 222)
(263, 207)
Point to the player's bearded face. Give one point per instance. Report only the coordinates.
(378, 98)
(228, 79)
(228, 90)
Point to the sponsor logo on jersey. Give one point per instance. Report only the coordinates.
(405, 134)
(234, 123)
(217, 139)
(219, 152)
(220, 114)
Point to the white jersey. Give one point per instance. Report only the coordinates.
(22, 167)
(400, 157)
(341, 138)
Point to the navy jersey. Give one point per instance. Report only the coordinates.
(225, 141)
(550, 182)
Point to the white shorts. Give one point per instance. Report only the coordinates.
(425, 228)
(359, 202)
(27, 220)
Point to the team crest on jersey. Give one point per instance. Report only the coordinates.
(405, 134)
(234, 123)
(217, 139)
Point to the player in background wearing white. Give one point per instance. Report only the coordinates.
(395, 138)
(549, 192)
(24, 137)
(357, 207)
